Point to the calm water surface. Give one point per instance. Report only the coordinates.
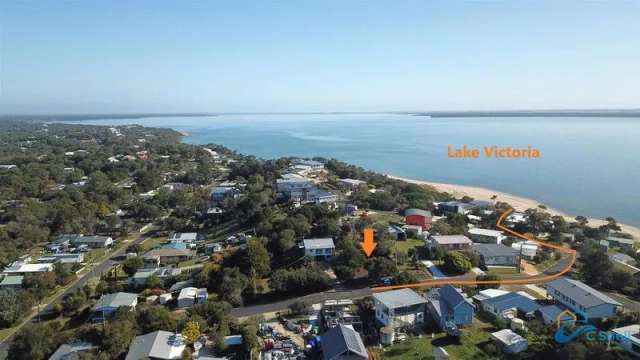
(589, 166)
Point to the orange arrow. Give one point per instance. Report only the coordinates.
(368, 245)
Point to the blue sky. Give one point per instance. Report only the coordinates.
(237, 56)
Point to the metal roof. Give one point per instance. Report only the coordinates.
(485, 232)
(581, 293)
(399, 298)
(409, 212)
(512, 300)
(451, 239)
(157, 345)
(319, 243)
(116, 300)
(342, 342)
(12, 280)
(507, 337)
(490, 250)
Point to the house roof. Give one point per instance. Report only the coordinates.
(69, 351)
(399, 298)
(116, 300)
(184, 236)
(445, 299)
(319, 243)
(12, 280)
(340, 341)
(507, 337)
(621, 240)
(510, 301)
(629, 332)
(157, 345)
(485, 232)
(451, 239)
(489, 293)
(92, 239)
(552, 312)
(581, 293)
(491, 250)
(168, 252)
(420, 212)
(29, 268)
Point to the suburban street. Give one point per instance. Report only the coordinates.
(309, 299)
(77, 284)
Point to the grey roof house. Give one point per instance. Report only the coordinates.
(582, 299)
(343, 343)
(497, 254)
(111, 302)
(399, 308)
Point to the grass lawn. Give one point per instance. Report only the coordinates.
(405, 245)
(5, 332)
(422, 347)
(618, 266)
(503, 271)
(152, 243)
(516, 288)
(541, 267)
(189, 262)
(386, 217)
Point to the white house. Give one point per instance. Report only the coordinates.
(582, 299)
(319, 248)
(183, 237)
(111, 302)
(160, 344)
(190, 296)
(509, 342)
(528, 249)
(400, 308)
(486, 236)
(628, 337)
(20, 268)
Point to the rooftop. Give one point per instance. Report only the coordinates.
(507, 337)
(490, 250)
(345, 341)
(116, 300)
(157, 345)
(319, 243)
(452, 239)
(510, 301)
(399, 298)
(485, 232)
(581, 293)
(410, 212)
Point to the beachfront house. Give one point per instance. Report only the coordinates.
(450, 308)
(452, 242)
(319, 248)
(343, 343)
(486, 236)
(622, 243)
(351, 184)
(582, 299)
(496, 255)
(400, 308)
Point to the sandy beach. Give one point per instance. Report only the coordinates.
(518, 202)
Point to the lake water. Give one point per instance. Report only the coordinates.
(588, 166)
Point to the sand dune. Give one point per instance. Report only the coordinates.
(518, 202)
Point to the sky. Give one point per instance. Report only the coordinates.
(280, 56)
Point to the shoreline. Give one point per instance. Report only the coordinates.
(519, 203)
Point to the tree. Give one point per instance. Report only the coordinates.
(154, 317)
(456, 262)
(286, 240)
(117, 337)
(436, 252)
(348, 261)
(380, 267)
(14, 305)
(132, 264)
(258, 257)
(191, 332)
(34, 342)
(153, 282)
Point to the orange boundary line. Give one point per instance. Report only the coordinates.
(528, 280)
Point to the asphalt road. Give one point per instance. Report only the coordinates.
(79, 283)
(309, 299)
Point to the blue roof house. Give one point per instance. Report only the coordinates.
(450, 308)
(502, 304)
